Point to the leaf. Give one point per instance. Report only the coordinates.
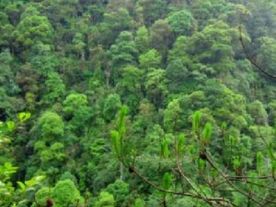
(180, 143)
(10, 126)
(116, 142)
(201, 164)
(24, 116)
(34, 181)
(236, 162)
(139, 202)
(29, 185)
(223, 126)
(207, 133)
(165, 152)
(270, 151)
(7, 170)
(196, 121)
(273, 168)
(167, 181)
(21, 185)
(260, 162)
(39, 178)
(121, 120)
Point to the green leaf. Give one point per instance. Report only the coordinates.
(201, 164)
(271, 151)
(116, 142)
(10, 126)
(196, 121)
(139, 202)
(6, 171)
(167, 181)
(181, 143)
(21, 185)
(273, 168)
(207, 133)
(121, 120)
(260, 162)
(23, 116)
(236, 162)
(165, 152)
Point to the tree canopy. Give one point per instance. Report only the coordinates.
(137, 103)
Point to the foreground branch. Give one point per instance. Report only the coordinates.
(251, 60)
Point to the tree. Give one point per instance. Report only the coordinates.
(105, 200)
(136, 103)
(262, 19)
(120, 190)
(55, 88)
(73, 101)
(150, 59)
(6, 29)
(13, 10)
(266, 56)
(7, 74)
(111, 105)
(77, 112)
(51, 125)
(42, 195)
(204, 162)
(203, 11)
(156, 86)
(171, 116)
(79, 45)
(161, 32)
(124, 51)
(272, 113)
(130, 86)
(144, 119)
(139, 203)
(65, 193)
(27, 79)
(258, 113)
(177, 74)
(114, 23)
(142, 39)
(182, 22)
(152, 10)
(49, 147)
(22, 193)
(43, 59)
(213, 47)
(33, 28)
(114, 5)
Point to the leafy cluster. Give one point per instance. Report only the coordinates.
(118, 103)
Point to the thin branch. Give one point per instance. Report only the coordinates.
(179, 168)
(262, 186)
(265, 142)
(146, 180)
(249, 177)
(208, 159)
(266, 201)
(251, 60)
(204, 197)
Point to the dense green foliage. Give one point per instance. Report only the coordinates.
(135, 103)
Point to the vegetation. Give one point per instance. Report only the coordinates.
(137, 103)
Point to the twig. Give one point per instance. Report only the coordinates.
(208, 159)
(214, 199)
(253, 61)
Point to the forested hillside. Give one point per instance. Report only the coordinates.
(137, 103)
